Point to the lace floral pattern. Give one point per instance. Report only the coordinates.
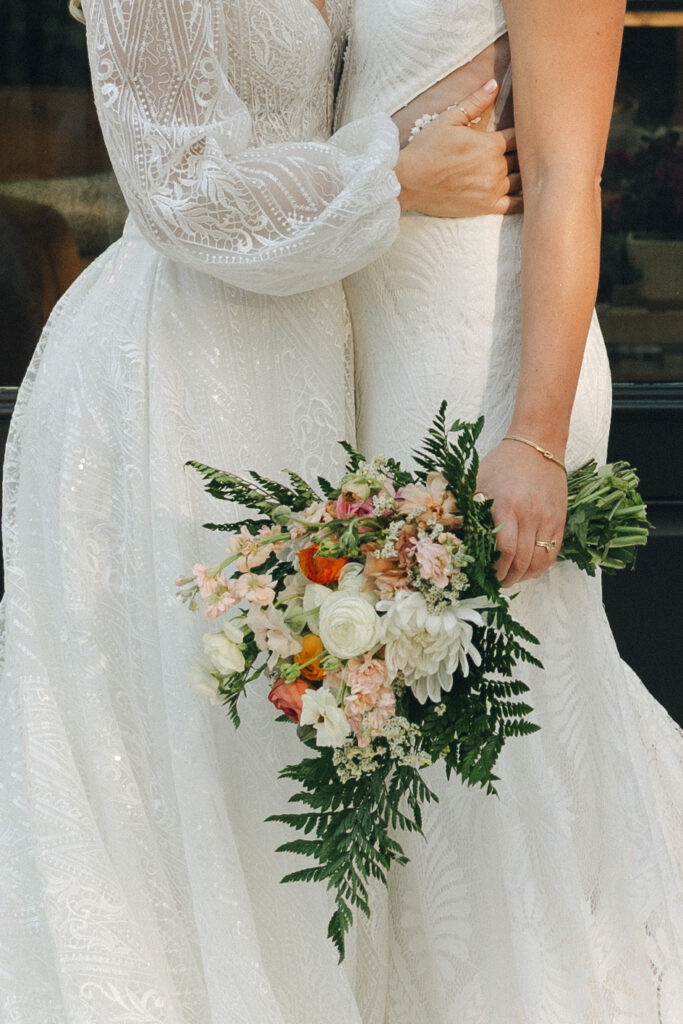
(137, 875)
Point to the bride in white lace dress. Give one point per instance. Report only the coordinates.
(138, 881)
(562, 901)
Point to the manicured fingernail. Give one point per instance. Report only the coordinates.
(491, 86)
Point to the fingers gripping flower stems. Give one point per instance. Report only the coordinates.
(374, 610)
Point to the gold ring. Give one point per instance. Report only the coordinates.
(549, 545)
(470, 120)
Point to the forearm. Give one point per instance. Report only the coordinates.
(560, 267)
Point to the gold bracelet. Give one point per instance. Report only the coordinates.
(542, 451)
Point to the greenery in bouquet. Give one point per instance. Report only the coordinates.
(373, 609)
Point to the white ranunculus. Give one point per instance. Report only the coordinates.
(202, 682)
(349, 625)
(428, 646)
(224, 649)
(319, 708)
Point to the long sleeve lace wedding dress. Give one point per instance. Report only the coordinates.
(138, 882)
(561, 902)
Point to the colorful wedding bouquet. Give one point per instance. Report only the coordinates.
(373, 609)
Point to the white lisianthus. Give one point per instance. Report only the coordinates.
(352, 577)
(202, 681)
(428, 646)
(314, 595)
(224, 649)
(348, 625)
(319, 708)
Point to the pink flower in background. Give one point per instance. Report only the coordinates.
(208, 585)
(433, 560)
(253, 552)
(220, 604)
(318, 512)
(348, 509)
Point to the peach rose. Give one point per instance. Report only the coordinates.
(288, 697)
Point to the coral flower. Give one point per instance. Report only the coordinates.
(311, 646)
(319, 569)
(287, 697)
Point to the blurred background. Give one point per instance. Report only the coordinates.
(60, 207)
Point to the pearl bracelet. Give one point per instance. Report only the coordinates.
(421, 124)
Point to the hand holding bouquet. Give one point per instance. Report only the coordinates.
(374, 610)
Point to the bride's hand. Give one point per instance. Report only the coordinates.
(529, 496)
(450, 170)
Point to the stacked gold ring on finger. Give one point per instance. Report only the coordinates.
(549, 545)
(470, 120)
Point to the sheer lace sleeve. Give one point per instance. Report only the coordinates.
(279, 218)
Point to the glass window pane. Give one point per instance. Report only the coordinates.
(60, 205)
(641, 288)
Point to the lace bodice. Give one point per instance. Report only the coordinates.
(216, 114)
(399, 48)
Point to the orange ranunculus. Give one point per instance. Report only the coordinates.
(319, 569)
(287, 697)
(311, 645)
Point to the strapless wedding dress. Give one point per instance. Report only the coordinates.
(561, 902)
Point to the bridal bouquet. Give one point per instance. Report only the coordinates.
(373, 609)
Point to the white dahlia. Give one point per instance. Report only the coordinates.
(427, 646)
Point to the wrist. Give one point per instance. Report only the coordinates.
(551, 436)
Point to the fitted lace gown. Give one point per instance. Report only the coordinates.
(560, 902)
(138, 882)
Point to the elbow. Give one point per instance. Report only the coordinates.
(572, 182)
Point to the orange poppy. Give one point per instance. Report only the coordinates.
(319, 569)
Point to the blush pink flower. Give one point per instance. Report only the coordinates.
(367, 676)
(431, 503)
(208, 584)
(257, 589)
(220, 604)
(371, 701)
(318, 512)
(346, 509)
(433, 560)
(253, 552)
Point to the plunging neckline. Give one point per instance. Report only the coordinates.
(321, 12)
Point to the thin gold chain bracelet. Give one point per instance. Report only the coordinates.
(542, 451)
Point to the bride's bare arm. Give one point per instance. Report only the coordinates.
(565, 56)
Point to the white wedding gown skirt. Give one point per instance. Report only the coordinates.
(138, 880)
(560, 902)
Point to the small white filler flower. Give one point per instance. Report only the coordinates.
(428, 646)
